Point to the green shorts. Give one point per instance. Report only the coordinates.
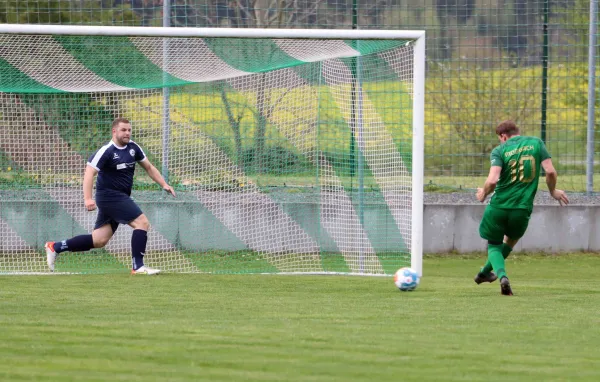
(498, 222)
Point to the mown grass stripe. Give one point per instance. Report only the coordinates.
(321, 328)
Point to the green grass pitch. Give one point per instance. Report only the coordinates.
(196, 327)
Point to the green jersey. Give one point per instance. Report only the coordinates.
(520, 158)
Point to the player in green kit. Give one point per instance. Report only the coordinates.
(514, 177)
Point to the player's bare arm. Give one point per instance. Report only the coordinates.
(490, 183)
(155, 175)
(551, 178)
(88, 183)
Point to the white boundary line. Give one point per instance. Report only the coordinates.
(38, 273)
(204, 273)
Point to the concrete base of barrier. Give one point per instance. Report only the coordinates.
(551, 229)
(447, 228)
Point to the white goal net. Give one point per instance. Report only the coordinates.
(290, 151)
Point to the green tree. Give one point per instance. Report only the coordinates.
(235, 119)
(66, 12)
(576, 16)
(34, 12)
(472, 105)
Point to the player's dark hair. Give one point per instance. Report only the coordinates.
(119, 120)
(507, 127)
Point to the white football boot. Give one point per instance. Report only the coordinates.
(144, 270)
(50, 255)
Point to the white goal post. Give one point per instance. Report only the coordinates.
(293, 150)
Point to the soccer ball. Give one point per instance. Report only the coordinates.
(406, 279)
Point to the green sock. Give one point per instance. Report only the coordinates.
(496, 259)
(506, 250)
(487, 268)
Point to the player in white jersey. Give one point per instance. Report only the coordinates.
(114, 163)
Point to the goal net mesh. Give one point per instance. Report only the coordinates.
(287, 155)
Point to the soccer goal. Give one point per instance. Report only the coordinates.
(292, 151)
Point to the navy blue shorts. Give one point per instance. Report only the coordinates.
(116, 212)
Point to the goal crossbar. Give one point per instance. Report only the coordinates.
(91, 30)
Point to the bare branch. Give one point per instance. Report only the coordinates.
(272, 108)
(242, 9)
(311, 11)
